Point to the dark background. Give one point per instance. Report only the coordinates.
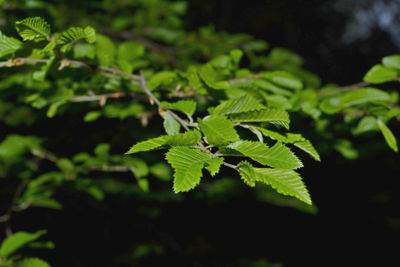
(358, 219)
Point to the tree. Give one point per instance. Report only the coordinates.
(215, 111)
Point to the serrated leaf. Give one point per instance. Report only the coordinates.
(189, 138)
(392, 61)
(286, 182)
(16, 241)
(187, 107)
(273, 135)
(171, 125)
(34, 28)
(284, 79)
(242, 104)
(8, 45)
(77, 33)
(105, 50)
(218, 130)
(379, 74)
(363, 95)
(388, 135)
(151, 144)
(299, 141)
(246, 171)
(32, 262)
(187, 164)
(271, 115)
(214, 165)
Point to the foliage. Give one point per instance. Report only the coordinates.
(217, 113)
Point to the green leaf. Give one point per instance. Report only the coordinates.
(187, 164)
(238, 105)
(129, 54)
(77, 33)
(392, 61)
(187, 107)
(171, 125)
(363, 95)
(273, 135)
(162, 77)
(16, 241)
(218, 130)
(299, 141)
(366, 124)
(271, 115)
(280, 156)
(8, 45)
(105, 50)
(34, 28)
(32, 262)
(214, 165)
(151, 144)
(388, 135)
(189, 138)
(284, 79)
(162, 171)
(247, 173)
(379, 74)
(286, 182)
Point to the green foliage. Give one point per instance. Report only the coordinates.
(213, 111)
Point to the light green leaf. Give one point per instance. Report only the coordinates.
(162, 77)
(363, 95)
(77, 33)
(171, 125)
(273, 135)
(392, 61)
(34, 28)
(32, 262)
(214, 165)
(388, 135)
(218, 130)
(283, 78)
(8, 45)
(187, 107)
(16, 241)
(187, 164)
(299, 141)
(271, 115)
(366, 124)
(162, 171)
(238, 105)
(247, 173)
(286, 182)
(189, 138)
(129, 54)
(105, 50)
(151, 144)
(379, 74)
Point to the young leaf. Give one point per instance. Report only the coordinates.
(34, 28)
(151, 144)
(253, 150)
(218, 130)
(388, 135)
(214, 165)
(366, 124)
(280, 156)
(32, 262)
(187, 164)
(283, 79)
(105, 50)
(267, 115)
(187, 107)
(16, 241)
(286, 182)
(363, 95)
(380, 74)
(238, 105)
(8, 45)
(273, 135)
(189, 138)
(299, 141)
(247, 173)
(392, 61)
(129, 54)
(77, 33)
(171, 125)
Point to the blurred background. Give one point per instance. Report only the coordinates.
(356, 215)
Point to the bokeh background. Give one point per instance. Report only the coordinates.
(357, 217)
